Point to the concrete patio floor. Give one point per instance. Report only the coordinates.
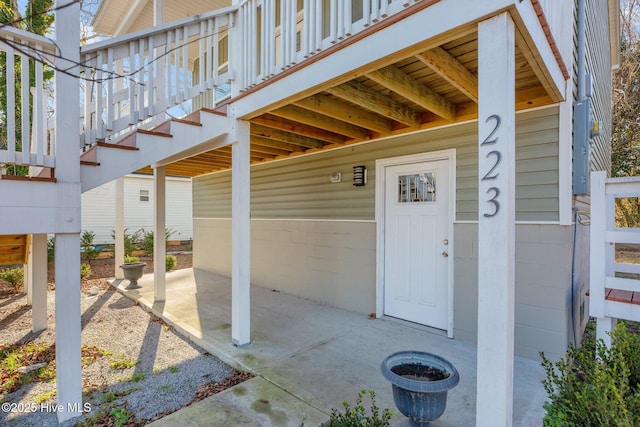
(308, 357)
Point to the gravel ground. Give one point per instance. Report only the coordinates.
(167, 373)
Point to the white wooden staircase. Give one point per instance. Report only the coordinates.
(611, 296)
(172, 140)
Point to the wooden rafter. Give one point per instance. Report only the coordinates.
(448, 67)
(346, 112)
(406, 86)
(279, 135)
(299, 129)
(266, 142)
(259, 148)
(321, 121)
(374, 101)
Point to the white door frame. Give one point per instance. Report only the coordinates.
(381, 165)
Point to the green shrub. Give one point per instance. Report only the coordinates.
(170, 262)
(128, 259)
(51, 250)
(147, 240)
(13, 276)
(89, 251)
(595, 385)
(356, 416)
(131, 241)
(85, 271)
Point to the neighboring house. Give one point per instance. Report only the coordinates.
(415, 159)
(99, 208)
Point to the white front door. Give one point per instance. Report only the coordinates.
(416, 242)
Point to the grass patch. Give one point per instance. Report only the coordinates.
(166, 388)
(43, 397)
(137, 377)
(110, 396)
(12, 358)
(120, 364)
(173, 369)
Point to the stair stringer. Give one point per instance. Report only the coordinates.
(216, 131)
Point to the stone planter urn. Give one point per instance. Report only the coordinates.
(420, 382)
(132, 272)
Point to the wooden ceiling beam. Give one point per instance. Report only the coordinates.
(448, 67)
(374, 101)
(299, 129)
(259, 148)
(332, 107)
(406, 86)
(283, 136)
(271, 143)
(321, 121)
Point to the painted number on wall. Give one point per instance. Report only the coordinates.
(493, 193)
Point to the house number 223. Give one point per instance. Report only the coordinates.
(493, 192)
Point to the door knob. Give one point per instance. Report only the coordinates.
(445, 254)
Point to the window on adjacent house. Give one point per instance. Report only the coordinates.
(144, 195)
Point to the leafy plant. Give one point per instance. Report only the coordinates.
(147, 240)
(13, 276)
(595, 385)
(85, 271)
(129, 259)
(51, 250)
(120, 416)
(170, 262)
(357, 416)
(89, 251)
(131, 241)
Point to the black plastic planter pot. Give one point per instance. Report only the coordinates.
(416, 394)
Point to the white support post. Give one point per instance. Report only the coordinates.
(597, 245)
(496, 221)
(37, 277)
(67, 246)
(240, 238)
(159, 225)
(68, 364)
(119, 237)
(604, 326)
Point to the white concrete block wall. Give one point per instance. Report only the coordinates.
(334, 262)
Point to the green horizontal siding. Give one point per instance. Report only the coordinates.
(300, 187)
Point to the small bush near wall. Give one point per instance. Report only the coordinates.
(595, 385)
(85, 271)
(13, 276)
(170, 262)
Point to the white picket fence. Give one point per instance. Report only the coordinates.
(611, 297)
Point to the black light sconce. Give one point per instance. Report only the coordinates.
(359, 175)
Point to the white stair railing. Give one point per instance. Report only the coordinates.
(23, 130)
(605, 271)
(130, 78)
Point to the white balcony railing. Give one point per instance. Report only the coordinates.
(24, 139)
(292, 31)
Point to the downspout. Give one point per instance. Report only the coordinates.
(582, 50)
(582, 69)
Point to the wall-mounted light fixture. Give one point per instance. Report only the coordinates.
(359, 175)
